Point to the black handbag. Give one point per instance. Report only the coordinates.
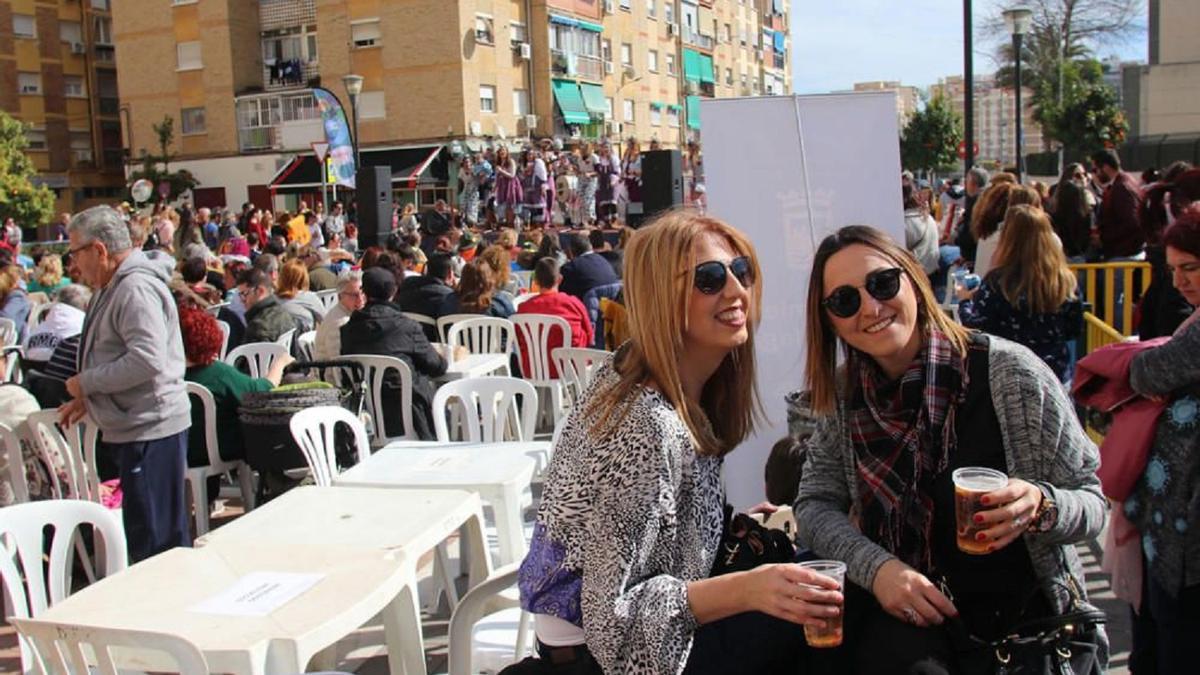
(1056, 645)
(746, 544)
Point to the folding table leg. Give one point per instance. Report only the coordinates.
(402, 628)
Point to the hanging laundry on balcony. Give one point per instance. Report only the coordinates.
(289, 72)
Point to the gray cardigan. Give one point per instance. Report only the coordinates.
(1043, 444)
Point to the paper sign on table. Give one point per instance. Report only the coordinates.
(258, 594)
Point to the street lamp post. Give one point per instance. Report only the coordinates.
(1018, 21)
(354, 84)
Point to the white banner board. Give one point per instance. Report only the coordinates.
(788, 171)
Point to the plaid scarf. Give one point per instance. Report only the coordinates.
(902, 433)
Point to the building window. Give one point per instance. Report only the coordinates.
(627, 108)
(626, 54)
(29, 83)
(36, 138)
(188, 56)
(625, 5)
(70, 31)
(372, 105)
(487, 98)
(606, 53)
(728, 32)
(24, 26)
(655, 115)
(81, 147)
(652, 60)
(608, 107)
(520, 102)
(673, 116)
(193, 121)
(518, 32)
(365, 33)
(484, 33)
(73, 86)
(669, 11)
(651, 10)
(670, 63)
(100, 4)
(729, 76)
(102, 31)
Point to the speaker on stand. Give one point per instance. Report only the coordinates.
(373, 196)
(662, 181)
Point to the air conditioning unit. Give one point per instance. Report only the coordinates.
(525, 50)
(608, 67)
(610, 128)
(608, 6)
(629, 73)
(530, 124)
(672, 29)
(78, 48)
(758, 53)
(691, 87)
(476, 128)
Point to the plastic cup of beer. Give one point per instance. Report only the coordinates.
(971, 483)
(829, 634)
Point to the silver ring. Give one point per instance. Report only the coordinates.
(910, 615)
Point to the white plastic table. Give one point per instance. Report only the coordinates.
(475, 365)
(157, 594)
(499, 472)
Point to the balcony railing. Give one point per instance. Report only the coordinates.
(294, 74)
(577, 65)
(692, 37)
(258, 138)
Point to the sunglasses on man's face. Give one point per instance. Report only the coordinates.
(710, 277)
(845, 301)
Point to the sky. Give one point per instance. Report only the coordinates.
(836, 43)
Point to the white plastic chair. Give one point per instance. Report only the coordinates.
(520, 299)
(483, 335)
(258, 356)
(12, 364)
(374, 368)
(445, 322)
(488, 630)
(489, 409)
(421, 318)
(8, 332)
(10, 441)
(576, 366)
(305, 343)
(313, 429)
(224, 326)
(327, 299)
(533, 331)
(215, 308)
(74, 447)
(37, 314)
(68, 649)
(197, 476)
(30, 584)
(285, 340)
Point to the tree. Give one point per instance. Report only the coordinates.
(930, 139)
(165, 131)
(28, 205)
(178, 181)
(1088, 116)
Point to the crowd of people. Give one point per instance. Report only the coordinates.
(901, 390)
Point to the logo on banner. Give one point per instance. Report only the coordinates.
(337, 134)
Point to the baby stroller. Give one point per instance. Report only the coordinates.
(265, 418)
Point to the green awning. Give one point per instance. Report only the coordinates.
(593, 99)
(693, 112)
(691, 65)
(570, 102)
(706, 68)
(588, 25)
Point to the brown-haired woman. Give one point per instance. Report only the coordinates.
(631, 516)
(477, 293)
(920, 396)
(1029, 296)
(294, 296)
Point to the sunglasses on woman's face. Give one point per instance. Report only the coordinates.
(845, 301)
(710, 277)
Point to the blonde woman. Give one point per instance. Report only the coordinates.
(48, 277)
(919, 396)
(631, 516)
(1029, 296)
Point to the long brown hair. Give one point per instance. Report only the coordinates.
(659, 270)
(476, 287)
(1030, 264)
(988, 213)
(821, 370)
(498, 259)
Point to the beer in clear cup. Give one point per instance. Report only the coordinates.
(971, 483)
(829, 634)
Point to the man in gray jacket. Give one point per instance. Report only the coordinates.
(130, 380)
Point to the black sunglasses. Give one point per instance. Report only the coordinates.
(710, 277)
(845, 301)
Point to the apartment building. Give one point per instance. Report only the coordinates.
(238, 76)
(1166, 93)
(907, 97)
(995, 118)
(58, 76)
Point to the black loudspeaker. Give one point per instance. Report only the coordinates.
(374, 200)
(662, 181)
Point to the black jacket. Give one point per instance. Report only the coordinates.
(425, 295)
(585, 273)
(381, 329)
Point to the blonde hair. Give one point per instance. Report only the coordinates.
(498, 259)
(821, 369)
(49, 271)
(507, 238)
(1029, 262)
(659, 276)
(293, 278)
